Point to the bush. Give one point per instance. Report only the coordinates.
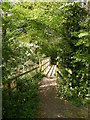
(23, 100)
(73, 56)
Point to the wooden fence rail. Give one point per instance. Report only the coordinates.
(43, 64)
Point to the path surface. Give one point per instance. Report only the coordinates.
(50, 106)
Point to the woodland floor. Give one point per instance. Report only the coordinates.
(51, 106)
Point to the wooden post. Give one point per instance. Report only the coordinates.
(39, 65)
(37, 70)
(87, 4)
(57, 68)
(82, 3)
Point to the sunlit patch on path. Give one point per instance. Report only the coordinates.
(50, 106)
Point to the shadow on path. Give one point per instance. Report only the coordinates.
(50, 106)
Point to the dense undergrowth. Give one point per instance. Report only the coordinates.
(31, 31)
(73, 55)
(22, 101)
(19, 50)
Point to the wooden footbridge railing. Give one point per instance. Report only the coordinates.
(43, 66)
(27, 68)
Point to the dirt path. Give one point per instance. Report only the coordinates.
(50, 106)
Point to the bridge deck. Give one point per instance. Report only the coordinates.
(51, 70)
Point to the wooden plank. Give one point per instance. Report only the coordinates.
(49, 74)
(53, 71)
(48, 70)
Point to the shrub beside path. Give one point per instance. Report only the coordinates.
(51, 106)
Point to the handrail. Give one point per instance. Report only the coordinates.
(59, 73)
(26, 80)
(11, 79)
(45, 68)
(44, 63)
(44, 58)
